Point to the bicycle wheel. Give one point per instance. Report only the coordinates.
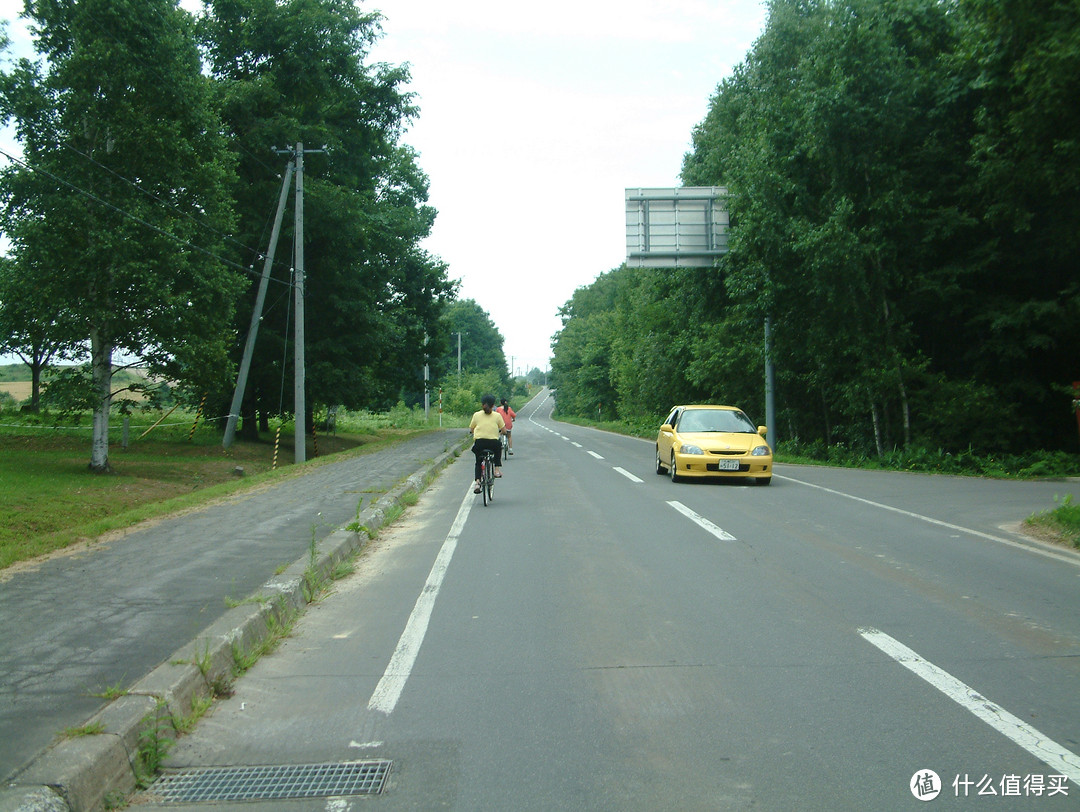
(489, 488)
(485, 471)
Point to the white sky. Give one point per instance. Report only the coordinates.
(535, 118)
(533, 121)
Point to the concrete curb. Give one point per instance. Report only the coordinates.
(90, 772)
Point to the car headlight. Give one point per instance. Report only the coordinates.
(760, 451)
(690, 449)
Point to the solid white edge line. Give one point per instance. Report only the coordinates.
(1048, 553)
(397, 673)
(701, 521)
(628, 475)
(1023, 734)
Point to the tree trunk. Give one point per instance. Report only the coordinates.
(877, 429)
(827, 421)
(906, 410)
(101, 371)
(35, 387)
(248, 422)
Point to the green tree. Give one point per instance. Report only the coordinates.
(481, 342)
(296, 71)
(29, 325)
(120, 201)
(1023, 64)
(581, 364)
(653, 334)
(902, 180)
(840, 158)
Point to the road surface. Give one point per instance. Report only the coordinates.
(600, 638)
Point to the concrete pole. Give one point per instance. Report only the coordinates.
(770, 388)
(427, 377)
(300, 405)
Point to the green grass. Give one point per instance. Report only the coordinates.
(1060, 524)
(49, 500)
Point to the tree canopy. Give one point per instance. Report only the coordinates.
(117, 208)
(139, 213)
(481, 343)
(299, 71)
(902, 186)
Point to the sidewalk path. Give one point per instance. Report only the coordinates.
(79, 625)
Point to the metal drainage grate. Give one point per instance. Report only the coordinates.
(272, 783)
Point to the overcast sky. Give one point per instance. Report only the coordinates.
(533, 120)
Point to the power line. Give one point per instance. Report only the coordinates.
(136, 54)
(202, 224)
(134, 218)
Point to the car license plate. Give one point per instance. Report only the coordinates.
(727, 465)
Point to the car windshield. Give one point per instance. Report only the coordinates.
(715, 420)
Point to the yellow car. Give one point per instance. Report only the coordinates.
(712, 441)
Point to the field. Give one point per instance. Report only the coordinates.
(15, 381)
(20, 390)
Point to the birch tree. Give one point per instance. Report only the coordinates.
(128, 208)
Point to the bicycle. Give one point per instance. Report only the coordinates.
(504, 440)
(487, 476)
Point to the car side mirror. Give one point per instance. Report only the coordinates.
(762, 430)
(666, 427)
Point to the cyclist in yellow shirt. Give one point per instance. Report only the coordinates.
(485, 427)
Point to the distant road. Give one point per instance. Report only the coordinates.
(601, 638)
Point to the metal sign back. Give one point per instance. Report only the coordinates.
(682, 227)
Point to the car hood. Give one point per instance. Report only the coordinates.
(723, 442)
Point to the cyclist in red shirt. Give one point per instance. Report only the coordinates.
(508, 416)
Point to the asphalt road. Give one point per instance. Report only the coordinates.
(600, 638)
(98, 618)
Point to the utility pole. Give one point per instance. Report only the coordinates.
(770, 388)
(295, 167)
(256, 314)
(427, 378)
(299, 399)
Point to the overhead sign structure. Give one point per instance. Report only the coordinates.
(682, 227)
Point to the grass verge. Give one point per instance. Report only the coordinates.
(1062, 524)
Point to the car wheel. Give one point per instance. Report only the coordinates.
(659, 465)
(765, 481)
(672, 471)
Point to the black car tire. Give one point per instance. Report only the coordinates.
(672, 470)
(659, 465)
